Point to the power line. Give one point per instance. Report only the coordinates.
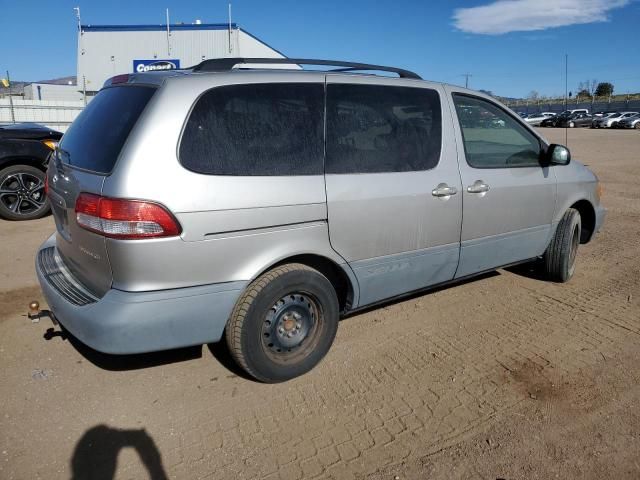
(466, 79)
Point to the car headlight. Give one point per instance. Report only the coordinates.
(52, 144)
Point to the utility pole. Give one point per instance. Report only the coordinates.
(466, 79)
(13, 115)
(230, 32)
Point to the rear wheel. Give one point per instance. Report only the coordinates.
(284, 323)
(22, 194)
(637, 126)
(560, 258)
(572, 124)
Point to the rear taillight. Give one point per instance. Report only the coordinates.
(124, 219)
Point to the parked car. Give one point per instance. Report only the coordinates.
(575, 120)
(630, 122)
(595, 122)
(24, 150)
(552, 121)
(260, 205)
(536, 118)
(612, 120)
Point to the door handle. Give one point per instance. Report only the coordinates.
(478, 187)
(444, 190)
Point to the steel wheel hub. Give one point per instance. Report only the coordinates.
(289, 323)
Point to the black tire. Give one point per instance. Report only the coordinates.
(560, 258)
(22, 193)
(260, 333)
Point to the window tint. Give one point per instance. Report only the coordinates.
(261, 129)
(374, 128)
(95, 138)
(492, 138)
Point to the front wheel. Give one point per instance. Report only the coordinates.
(22, 195)
(284, 323)
(560, 258)
(637, 126)
(572, 124)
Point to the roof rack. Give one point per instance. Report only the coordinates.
(226, 64)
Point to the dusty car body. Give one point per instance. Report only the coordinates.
(260, 205)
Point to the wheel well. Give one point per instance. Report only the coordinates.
(33, 162)
(336, 275)
(588, 219)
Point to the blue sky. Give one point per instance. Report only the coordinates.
(440, 39)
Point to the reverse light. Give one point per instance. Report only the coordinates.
(124, 219)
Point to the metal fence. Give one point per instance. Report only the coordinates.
(535, 106)
(56, 114)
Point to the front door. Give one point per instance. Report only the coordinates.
(393, 186)
(508, 196)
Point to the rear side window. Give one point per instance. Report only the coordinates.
(375, 128)
(95, 138)
(256, 129)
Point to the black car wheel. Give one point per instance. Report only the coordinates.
(284, 323)
(22, 195)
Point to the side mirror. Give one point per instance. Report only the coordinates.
(557, 155)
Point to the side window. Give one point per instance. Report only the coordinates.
(492, 138)
(375, 128)
(256, 129)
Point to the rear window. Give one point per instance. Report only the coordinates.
(256, 129)
(95, 138)
(376, 128)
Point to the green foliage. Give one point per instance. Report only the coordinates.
(604, 89)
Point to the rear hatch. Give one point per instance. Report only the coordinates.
(86, 154)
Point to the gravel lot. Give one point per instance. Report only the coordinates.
(505, 377)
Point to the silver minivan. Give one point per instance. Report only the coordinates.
(261, 205)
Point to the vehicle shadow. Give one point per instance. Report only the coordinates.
(220, 352)
(96, 453)
(530, 270)
(138, 361)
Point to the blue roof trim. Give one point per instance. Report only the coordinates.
(156, 28)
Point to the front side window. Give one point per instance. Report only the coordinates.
(376, 128)
(256, 129)
(493, 138)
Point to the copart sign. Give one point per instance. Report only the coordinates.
(140, 66)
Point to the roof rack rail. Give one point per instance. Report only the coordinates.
(226, 64)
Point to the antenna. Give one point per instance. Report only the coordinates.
(77, 10)
(230, 47)
(466, 79)
(566, 96)
(168, 36)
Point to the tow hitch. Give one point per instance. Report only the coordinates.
(35, 314)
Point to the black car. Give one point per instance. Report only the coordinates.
(575, 120)
(551, 121)
(24, 150)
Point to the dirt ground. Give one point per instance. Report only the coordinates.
(503, 377)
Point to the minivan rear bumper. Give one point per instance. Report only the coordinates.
(138, 322)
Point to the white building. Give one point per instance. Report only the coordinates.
(54, 92)
(108, 50)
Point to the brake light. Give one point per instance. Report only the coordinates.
(124, 78)
(124, 219)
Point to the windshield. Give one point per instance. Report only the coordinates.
(95, 138)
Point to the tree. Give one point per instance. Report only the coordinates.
(533, 95)
(583, 93)
(604, 89)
